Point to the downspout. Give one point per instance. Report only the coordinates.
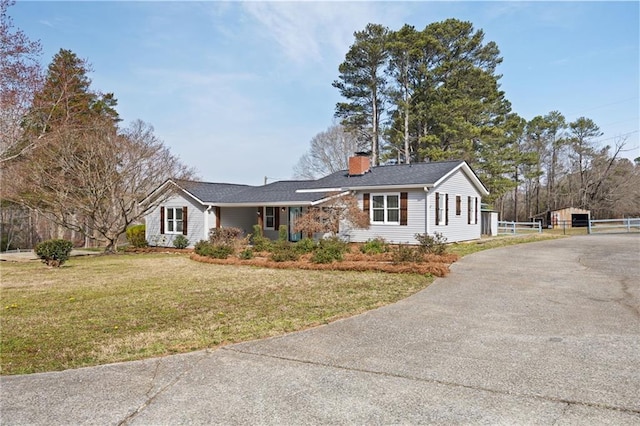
(206, 222)
(426, 210)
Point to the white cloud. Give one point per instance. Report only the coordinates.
(318, 31)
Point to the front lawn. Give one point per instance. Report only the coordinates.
(101, 309)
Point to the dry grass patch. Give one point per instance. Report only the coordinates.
(102, 309)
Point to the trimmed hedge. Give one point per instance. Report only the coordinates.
(54, 252)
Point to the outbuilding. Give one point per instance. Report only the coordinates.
(569, 217)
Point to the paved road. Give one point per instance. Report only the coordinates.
(542, 333)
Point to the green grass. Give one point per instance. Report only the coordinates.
(101, 309)
(466, 248)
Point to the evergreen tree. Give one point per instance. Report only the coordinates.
(404, 52)
(465, 103)
(583, 131)
(66, 99)
(362, 83)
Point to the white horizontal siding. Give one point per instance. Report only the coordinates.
(458, 229)
(195, 222)
(396, 234)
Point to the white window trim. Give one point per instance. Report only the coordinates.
(385, 208)
(442, 209)
(275, 212)
(472, 210)
(174, 220)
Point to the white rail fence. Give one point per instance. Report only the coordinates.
(514, 228)
(627, 224)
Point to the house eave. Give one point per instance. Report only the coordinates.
(470, 174)
(264, 204)
(164, 187)
(367, 188)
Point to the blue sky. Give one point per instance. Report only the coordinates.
(238, 89)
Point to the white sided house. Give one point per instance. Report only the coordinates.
(402, 201)
(409, 199)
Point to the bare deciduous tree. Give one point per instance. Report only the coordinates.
(327, 217)
(20, 78)
(91, 179)
(329, 152)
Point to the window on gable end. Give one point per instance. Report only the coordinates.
(175, 220)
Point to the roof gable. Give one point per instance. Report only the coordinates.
(401, 175)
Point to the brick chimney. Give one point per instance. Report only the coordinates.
(359, 164)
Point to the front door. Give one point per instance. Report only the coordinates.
(294, 213)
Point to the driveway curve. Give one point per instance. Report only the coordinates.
(539, 333)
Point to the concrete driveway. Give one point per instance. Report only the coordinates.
(541, 333)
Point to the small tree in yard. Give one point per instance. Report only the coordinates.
(326, 218)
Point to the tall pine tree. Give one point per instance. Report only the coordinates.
(363, 84)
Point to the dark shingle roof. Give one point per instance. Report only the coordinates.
(276, 192)
(297, 191)
(401, 174)
(209, 192)
(226, 193)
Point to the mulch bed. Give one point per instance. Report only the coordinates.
(434, 264)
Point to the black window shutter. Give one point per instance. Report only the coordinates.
(446, 209)
(476, 210)
(184, 220)
(161, 220)
(437, 208)
(469, 210)
(403, 208)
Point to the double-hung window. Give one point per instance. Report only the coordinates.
(472, 210)
(174, 220)
(385, 208)
(269, 217)
(442, 208)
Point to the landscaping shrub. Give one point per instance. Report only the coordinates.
(136, 236)
(329, 250)
(284, 251)
(405, 253)
(283, 233)
(217, 251)
(324, 255)
(180, 242)
(54, 252)
(260, 242)
(374, 246)
(305, 245)
(435, 243)
(203, 248)
(225, 236)
(334, 243)
(221, 251)
(246, 254)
